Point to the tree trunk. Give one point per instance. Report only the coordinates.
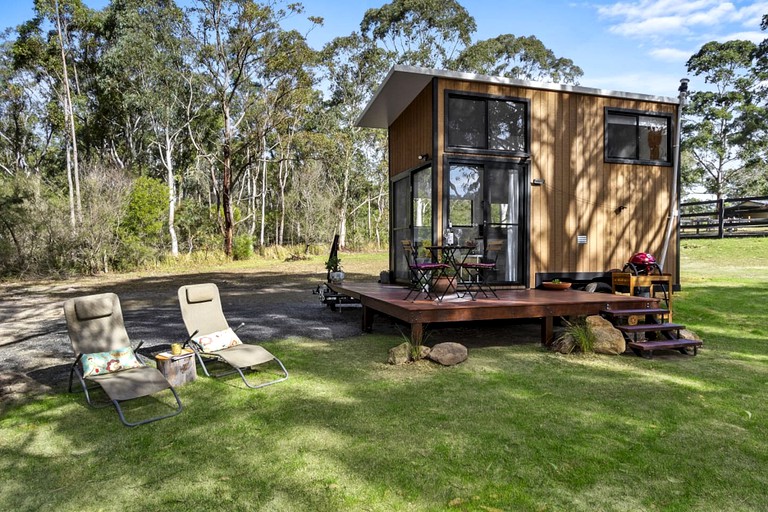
(263, 191)
(69, 114)
(168, 161)
(344, 202)
(70, 187)
(226, 199)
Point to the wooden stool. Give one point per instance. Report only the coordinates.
(178, 369)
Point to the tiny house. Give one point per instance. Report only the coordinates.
(574, 180)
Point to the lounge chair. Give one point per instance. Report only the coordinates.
(212, 339)
(104, 356)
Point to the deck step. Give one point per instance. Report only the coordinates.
(618, 313)
(646, 348)
(649, 327)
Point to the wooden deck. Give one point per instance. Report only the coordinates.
(544, 305)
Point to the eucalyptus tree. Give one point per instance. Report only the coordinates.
(353, 66)
(24, 133)
(725, 131)
(46, 53)
(147, 67)
(524, 58)
(284, 93)
(420, 32)
(235, 40)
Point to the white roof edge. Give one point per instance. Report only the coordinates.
(376, 94)
(375, 105)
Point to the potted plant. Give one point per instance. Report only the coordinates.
(446, 283)
(333, 266)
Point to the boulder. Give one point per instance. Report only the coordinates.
(608, 339)
(687, 334)
(400, 354)
(448, 354)
(424, 351)
(565, 344)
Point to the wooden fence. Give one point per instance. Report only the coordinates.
(737, 217)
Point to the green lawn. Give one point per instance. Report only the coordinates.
(513, 428)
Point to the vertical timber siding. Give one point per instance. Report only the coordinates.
(582, 193)
(410, 135)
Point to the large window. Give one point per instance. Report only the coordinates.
(637, 137)
(486, 124)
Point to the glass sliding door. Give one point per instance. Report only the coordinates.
(411, 216)
(486, 201)
(422, 207)
(401, 226)
(504, 218)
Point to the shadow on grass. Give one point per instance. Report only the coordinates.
(513, 428)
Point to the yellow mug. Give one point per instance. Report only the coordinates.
(176, 348)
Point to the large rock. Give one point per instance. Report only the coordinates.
(448, 354)
(400, 354)
(565, 344)
(687, 334)
(608, 339)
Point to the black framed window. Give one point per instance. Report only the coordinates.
(488, 124)
(638, 137)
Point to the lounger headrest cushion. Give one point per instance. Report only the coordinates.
(200, 294)
(91, 309)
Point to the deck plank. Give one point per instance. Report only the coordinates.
(511, 304)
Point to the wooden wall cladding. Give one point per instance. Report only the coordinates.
(411, 134)
(582, 194)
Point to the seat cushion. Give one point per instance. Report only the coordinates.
(100, 363)
(132, 383)
(218, 340)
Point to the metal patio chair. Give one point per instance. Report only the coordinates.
(212, 339)
(104, 356)
(421, 273)
(478, 271)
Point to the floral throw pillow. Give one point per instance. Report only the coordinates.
(218, 340)
(100, 363)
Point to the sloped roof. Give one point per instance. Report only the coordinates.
(403, 83)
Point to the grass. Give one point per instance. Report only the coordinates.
(513, 428)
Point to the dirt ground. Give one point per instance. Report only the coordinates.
(35, 352)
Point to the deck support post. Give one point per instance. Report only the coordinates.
(367, 319)
(547, 329)
(417, 334)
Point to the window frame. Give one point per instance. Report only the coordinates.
(526, 104)
(637, 114)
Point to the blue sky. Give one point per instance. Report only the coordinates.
(639, 46)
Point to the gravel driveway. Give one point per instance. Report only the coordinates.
(35, 352)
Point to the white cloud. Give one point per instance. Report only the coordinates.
(656, 19)
(671, 54)
(754, 36)
(650, 26)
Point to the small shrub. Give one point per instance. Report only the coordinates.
(242, 247)
(582, 335)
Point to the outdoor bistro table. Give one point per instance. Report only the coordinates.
(455, 256)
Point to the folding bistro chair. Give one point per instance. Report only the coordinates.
(421, 273)
(478, 271)
(212, 339)
(103, 355)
